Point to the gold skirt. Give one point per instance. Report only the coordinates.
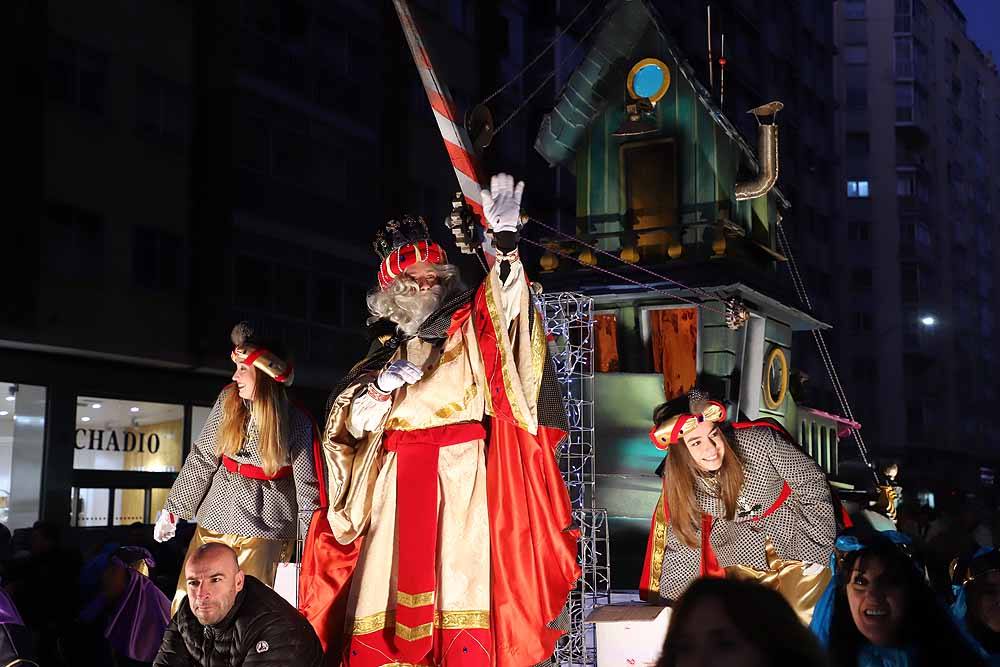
(257, 556)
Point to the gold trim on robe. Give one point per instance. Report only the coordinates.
(443, 620)
(659, 543)
(419, 600)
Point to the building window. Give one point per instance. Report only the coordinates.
(858, 144)
(332, 43)
(864, 369)
(133, 436)
(290, 155)
(856, 85)
(290, 291)
(855, 55)
(861, 280)
(905, 103)
(328, 301)
(855, 32)
(77, 75)
(915, 419)
(903, 54)
(861, 321)
(22, 447)
(857, 189)
(904, 16)
(157, 258)
(163, 108)
(859, 230)
(854, 9)
(74, 244)
(909, 283)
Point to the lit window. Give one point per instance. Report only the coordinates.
(857, 189)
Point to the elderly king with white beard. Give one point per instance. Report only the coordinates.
(449, 536)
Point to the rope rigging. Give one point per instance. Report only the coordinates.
(629, 280)
(538, 57)
(598, 22)
(824, 352)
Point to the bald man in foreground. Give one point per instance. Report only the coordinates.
(232, 620)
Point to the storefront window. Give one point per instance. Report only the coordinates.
(22, 438)
(130, 506)
(128, 435)
(91, 507)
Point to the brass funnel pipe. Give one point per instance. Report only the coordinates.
(767, 153)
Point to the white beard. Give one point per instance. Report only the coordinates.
(409, 311)
(407, 308)
(405, 304)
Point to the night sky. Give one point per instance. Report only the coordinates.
(983, 23)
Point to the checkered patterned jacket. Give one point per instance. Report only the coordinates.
(227, 502)
(802, 528)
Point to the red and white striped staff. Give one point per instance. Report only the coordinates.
(456, 139)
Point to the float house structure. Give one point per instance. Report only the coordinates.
(666, 182)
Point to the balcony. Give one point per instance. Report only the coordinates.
(913, 20)
(915, 238)
(912, 119)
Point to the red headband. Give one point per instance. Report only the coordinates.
(670, 431)
(406, 256)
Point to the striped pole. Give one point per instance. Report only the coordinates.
(456, 140)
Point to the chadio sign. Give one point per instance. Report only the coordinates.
(110, 441)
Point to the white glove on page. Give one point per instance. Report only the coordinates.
(397, 374)
(166, 526)
(502, 203)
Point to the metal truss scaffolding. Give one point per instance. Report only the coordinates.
(569, 322)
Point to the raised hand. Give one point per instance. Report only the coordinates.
(502, 203)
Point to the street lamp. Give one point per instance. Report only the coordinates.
(928, 321)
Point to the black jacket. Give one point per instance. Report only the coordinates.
(261, 630)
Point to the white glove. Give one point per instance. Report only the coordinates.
(502, 203)
(166, 526)
(397, 374)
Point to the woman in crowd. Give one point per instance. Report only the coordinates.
(880, 612)
(250, 474)
(737, 624)
(977, 602)
(731, 492)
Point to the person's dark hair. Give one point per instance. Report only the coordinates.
(48, 530)
(978, 568)
(989, 640)
(674, 406)
(760, 614)
(928, 629)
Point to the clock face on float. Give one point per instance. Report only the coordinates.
(775, 382)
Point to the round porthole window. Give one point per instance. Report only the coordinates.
(775, 383)
(649, 78)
